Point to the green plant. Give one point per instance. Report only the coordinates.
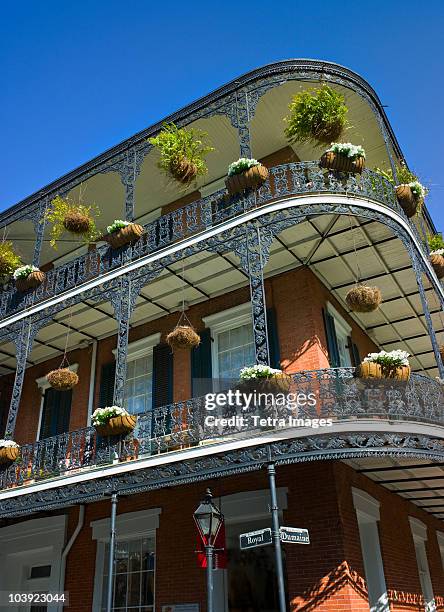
(242, 164)
(348, 149)
(24, 271)
(390, 359)
(436, 242)
(404, 175)
(117, 225)
(178, 145)
(101, 416)
(317, 115)
(258, 371)
(61, 209)
(9, 260)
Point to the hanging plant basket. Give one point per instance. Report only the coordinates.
(407, 200)
(363, 298)
(183, 337)
(252, 178)
(369, 369)
(62, 379)
(437, 262)
(278, 383)
(76, 222)
(126, 235)
(118, 425)
(32, 281)
(8, 454)
(184, 171)
(441, 352)
(342, 163)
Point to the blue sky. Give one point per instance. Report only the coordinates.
(79, 77)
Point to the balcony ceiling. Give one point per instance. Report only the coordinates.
(334, 258)
(419, 481)
(154, 191)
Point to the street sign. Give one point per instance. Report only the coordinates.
(294, 535)
(261, 537)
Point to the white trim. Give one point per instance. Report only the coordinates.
(141, 348)
(440, 538)
(226, 319)
(278, 205)
(419, 529)
(43, 384)
(251, 505)
(128, 525)
(339, 319)
(366, 506)
(226, 445)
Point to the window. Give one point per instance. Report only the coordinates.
(342, 332)
(133, 576)
(367, 512)
(139, 375)
(233, 341)
(440, 536)
(134, 561)
(419, 533)
(55, 409)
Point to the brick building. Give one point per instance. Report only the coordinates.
(263, 276)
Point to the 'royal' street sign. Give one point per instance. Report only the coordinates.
(262, 537)
(294, 535)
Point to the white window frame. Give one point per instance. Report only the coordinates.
(367, 513)
(440, 538)
(419, 534)
(129, 526)
(140, 348)
(342, 328)
(224, 321)
(43, 385)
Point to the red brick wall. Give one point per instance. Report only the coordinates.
(325, 576)
(298, 298)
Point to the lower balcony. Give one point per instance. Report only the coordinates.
(340, 402)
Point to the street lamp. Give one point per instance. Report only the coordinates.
(208, 519)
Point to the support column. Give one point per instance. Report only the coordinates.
(122, 305)
(129, 172)
(23, 343)
(112, 545)
(417, 267)
(257, 255)
(277, 538)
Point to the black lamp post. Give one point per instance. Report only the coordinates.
(208, 519)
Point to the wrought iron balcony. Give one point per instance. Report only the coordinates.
(295, 179)
(340, 396)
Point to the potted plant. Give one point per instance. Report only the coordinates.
(123, 232)
(9, 260)
(9, 451)
(392, 364)
(75, 218)
(113, 421)
(344, 157)
(363, 298)
(182, 152)
(62, 379)
(183, 337)
(436, 244)
(28, 277)
(317, 115)
(245, 173)
(263, 378)
(409, 191)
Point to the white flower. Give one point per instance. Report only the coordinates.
(8, 444)
(103, 415)
(242, 164)
(437, 252)
(117, 225)
(258, 371)
(347, 148)
(391, 358)
(24, 271)
(418, 190)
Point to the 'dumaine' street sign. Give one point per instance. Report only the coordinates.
(294, 535)
(261, 537)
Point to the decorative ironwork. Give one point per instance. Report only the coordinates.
(339, 396)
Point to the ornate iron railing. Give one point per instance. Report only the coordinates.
(295, 179)
(338, 395)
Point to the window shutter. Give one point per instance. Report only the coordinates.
(273, 339)
(201, 368)
(332, 342)
(354, 350)
(162, 375)
(107, 375)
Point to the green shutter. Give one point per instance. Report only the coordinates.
(107, 376)
(201, 368)
(332, 342)
(162, 375)
(273, 339)
(56, 413)
(354, 350)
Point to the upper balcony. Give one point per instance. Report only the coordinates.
(243, 117)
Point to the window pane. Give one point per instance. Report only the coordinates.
(147, 588)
